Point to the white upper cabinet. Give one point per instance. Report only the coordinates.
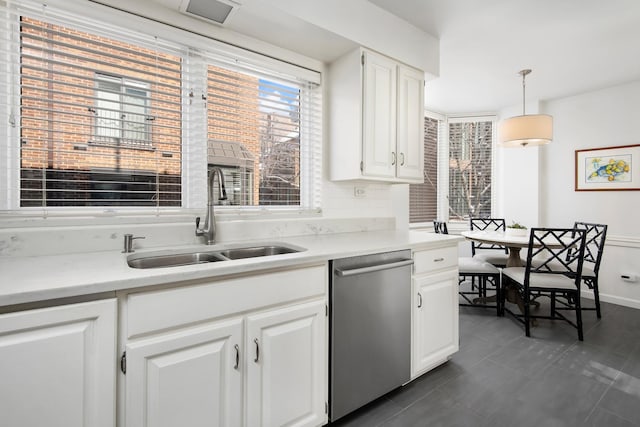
(410, 124)
(379, 115)
(376, 119)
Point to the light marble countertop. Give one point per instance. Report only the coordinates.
(28, 279)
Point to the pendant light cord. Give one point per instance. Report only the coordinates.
(523, 73)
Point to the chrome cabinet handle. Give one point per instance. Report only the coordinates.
(237, 357)
(402, 161)
(420, 299)
(393, 158)
(438, 259)
(257, 350)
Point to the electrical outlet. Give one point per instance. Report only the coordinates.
(359, 192)
(629, 277)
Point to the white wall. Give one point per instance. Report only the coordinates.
(603, 118)
(517, 190)
(339, 199)
(535, 185)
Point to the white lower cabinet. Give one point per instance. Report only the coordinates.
(187, 378)
(57, 366)
(286, 372)
(435, 312)
(230, 353)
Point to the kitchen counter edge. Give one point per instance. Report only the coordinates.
(34, 279)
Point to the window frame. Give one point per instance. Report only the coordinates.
(440, 171)
(443, 167)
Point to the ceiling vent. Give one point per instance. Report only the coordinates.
(217, 11)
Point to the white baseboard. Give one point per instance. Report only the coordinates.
(626, 302)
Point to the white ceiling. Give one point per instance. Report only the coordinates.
(573, 46)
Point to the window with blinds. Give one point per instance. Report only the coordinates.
(100, 120)
(423, 198)
(261, 116)
(470, 168)
(103, 116)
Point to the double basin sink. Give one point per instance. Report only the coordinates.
(201, 256)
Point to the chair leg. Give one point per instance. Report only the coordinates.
(596, 296)
(527, 325)
(579, 318)
(553, 305)
(503, 294)
(499, 310)
(483, 286)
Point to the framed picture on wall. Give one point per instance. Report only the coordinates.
(608, 168)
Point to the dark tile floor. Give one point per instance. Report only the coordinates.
(502, 378)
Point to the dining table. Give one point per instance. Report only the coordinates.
(513, 243)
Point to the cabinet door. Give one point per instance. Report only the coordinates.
(435, 319)
(410, 124)
(379, 116)
(58, 366)
(190, 377)
(287, 374)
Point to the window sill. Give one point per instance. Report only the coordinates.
(37, 217)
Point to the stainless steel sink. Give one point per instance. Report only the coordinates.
(172, 260)
(257, 251)
(223, 253)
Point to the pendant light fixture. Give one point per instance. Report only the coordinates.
(526, 130)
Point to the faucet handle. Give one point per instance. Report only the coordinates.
(128, 242)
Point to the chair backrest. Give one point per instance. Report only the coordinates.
(594, 245)
(556, 251)
(488, 224)
(440, 227)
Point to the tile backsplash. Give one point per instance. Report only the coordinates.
(51, 240)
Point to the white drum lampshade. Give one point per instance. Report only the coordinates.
(524, 131)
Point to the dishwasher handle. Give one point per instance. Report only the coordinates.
(373, 268)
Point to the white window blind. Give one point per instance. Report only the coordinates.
(99, 119)
(267, 129)
(102, 116)
(423, 198)
(470, 167)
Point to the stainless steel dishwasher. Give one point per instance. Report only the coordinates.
(370, 328)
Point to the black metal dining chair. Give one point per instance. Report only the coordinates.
(482, 274)
(491, 253)
(594, 246)
(554, 270)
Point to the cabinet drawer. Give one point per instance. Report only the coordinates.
(435, 259)
(157, 310)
